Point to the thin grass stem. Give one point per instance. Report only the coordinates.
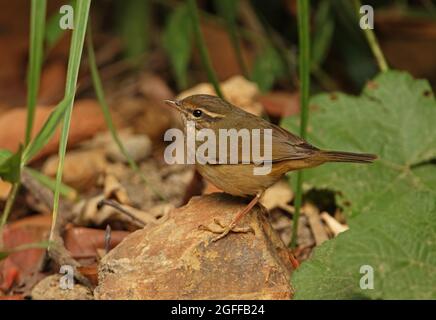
(76, 47)
(37, 27)
(99, 91)
(304, 73)
(373, 42)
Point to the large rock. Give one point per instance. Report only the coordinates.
(177, 260)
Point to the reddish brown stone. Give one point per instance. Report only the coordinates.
(87, 119)
(176, 260)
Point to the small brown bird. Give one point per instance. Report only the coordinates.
(289, 152)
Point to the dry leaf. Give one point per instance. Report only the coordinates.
(278, 195)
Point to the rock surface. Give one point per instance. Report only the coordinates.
(176, 260)
(49, 289)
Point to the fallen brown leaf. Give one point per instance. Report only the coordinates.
(21, 264)
(84, 242)
(87, 119)
(281, 104)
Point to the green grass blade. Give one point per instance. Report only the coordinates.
(203, 50)
(11, 164)
(37, 25)
(304, 70)
(47, 131)
(4, 253)
(373, 42)
(78, 37)
(8, 207)
(99, 91)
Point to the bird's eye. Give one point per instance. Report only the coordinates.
(197, 113)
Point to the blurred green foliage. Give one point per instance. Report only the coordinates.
(268, 66)
(134, 24)
(177, 42)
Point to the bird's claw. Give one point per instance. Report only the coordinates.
(224, 230)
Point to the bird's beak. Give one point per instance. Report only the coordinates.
(174, 103)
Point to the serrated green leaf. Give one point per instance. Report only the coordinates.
(397, 240)
(393, 118)
(177, 42)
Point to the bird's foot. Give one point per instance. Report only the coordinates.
(224, 230)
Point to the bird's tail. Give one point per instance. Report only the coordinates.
(340, 156)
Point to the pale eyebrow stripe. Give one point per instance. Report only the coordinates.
(212, 114)
(207, 112)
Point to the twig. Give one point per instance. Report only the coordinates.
(333, 224)
(318, 231)
(107, 239)
(58, 253)
(116, 205)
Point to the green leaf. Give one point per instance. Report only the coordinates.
(134, 25)
(4, 155)
(322, 38)
(393, 118)
(177, 42)
(397, 240)
(10, 165)
(48, 129)
(268, 66)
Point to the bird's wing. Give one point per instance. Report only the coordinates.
(288, 146)
(285, 145)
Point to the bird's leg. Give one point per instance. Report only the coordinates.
(231, 227)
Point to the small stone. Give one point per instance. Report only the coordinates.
(81, 167)
(237, 90)
(177, 260)
(137, 146)
(49, 288)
